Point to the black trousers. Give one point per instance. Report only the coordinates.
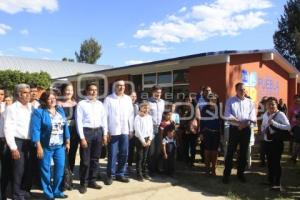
(5, 168)
(274, 151)
(36, 176)
(89, 157)
(141, 158)
(190, 142)
(241, 138)
(169, 163)
(22, 169)
(131, 150)
(74, 141)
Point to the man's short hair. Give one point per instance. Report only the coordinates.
(155, 88)
(20, 87)
(87, 87)
(238, 85)
(33, 85)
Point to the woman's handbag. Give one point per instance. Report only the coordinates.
(278, 134)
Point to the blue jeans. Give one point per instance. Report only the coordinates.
(57, 153)
(117, 152)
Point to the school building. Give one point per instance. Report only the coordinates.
(264, 72)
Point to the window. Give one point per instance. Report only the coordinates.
(101, 89)
(180, 92)
(167, 93)
(150, 79)
(137, 81)
(180, 76)
(164, 77)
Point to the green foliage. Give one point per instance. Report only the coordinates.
(10, 78)
(90, 51)
(287, 37)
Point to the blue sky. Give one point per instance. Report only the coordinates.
(135, 31)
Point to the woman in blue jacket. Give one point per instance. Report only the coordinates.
(51, 135)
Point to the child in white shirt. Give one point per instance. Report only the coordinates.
(143, 127)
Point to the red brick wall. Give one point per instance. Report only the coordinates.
(211, 75)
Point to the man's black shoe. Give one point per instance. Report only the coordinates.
(146, 176)
(276, 188)
(225, 179)
(122, 179)
(94, 185)
(64, 196)
(82, 189)
(140, 178)
(108, 181)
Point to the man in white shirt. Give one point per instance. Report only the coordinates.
(157, 108)
(120, 126)
(16, 130)
(91, 121)
(240, 114)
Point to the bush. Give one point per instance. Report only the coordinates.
(10, 78)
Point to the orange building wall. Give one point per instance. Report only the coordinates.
(262, 78)
(211, 75)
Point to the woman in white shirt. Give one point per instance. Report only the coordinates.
(274, 124)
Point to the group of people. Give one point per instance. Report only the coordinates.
(274, 127)
(38, 130)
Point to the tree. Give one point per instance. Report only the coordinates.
(68, 59)
(90, 51)
(10, 78)
(287, 37)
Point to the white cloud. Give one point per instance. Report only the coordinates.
(45, 50)
(24, 32)
(182, 10)
(31, 6)
(4, 28)
(121, 44)
(134, 62)
(152, 49)
(220, 18)
(34, 50)
(27, 49)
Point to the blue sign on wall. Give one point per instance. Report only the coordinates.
(249, 79)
